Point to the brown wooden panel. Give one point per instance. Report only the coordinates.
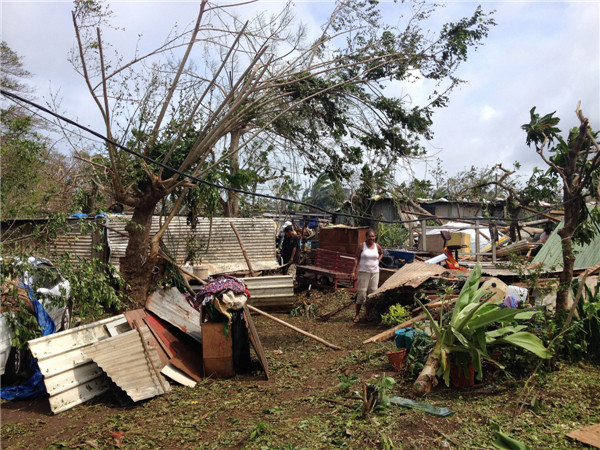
(217, 351)
(186, 351)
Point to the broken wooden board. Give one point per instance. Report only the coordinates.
(186, 352)
(179, 376)
(255, 341)
(411, 275)
(588, 435)
(131, 363)
(172, 306)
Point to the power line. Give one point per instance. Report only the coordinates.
(17, 98)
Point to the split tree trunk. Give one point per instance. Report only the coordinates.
(427, 378)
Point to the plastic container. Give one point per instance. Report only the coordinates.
(401, 338)
(406, 336)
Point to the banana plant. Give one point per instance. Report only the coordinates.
(466, 333)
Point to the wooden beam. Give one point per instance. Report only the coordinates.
(305, 333)
(387, 334)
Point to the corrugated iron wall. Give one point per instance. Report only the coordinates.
(218, 248)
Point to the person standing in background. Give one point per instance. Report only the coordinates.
(290, 250)
(368, 257)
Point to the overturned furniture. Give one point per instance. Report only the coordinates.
(330, 270)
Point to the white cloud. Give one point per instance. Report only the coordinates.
(487, 113)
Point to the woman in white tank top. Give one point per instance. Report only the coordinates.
(367, 267)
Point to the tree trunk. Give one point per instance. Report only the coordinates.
(137, 265)
(566, 233)
(427, 378)
(232, 205)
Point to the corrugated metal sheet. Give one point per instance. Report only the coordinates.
(271, 292)
(550, 255)
(73, 242)
(132, 364)
(221, 253)
(72, 378)
(411, 275)
(172, 306)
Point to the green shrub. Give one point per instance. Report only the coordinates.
(396, 315)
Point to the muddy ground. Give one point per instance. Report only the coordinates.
(301, 407)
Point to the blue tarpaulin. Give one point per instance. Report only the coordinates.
(34, 387)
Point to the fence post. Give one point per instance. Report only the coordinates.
(477, 246)
(423, 233)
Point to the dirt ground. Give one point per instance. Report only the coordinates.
(301, 407)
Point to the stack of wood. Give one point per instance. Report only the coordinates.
(519, 248)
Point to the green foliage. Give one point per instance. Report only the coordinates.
(260, 428)
(326, 192)
(576, 161)
(391, 235)
(382, 385)
(396, 315)
(346, 382)
(23, 152)
(96, 288)
(420, 349)
(467, 332)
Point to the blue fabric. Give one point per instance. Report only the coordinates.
(34, 387)
(44, 320)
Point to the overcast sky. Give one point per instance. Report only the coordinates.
(543, 54)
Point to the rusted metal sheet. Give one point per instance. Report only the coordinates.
(184, 352)
(271, 292)
(411, 275)
(72, 378)
(172, 306)
(218, 248)
(131, 363)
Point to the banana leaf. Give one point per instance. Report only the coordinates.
(525, 315)
(495, 315)
(528, 341)
(467, 291)
(463, 340)
(491, 335)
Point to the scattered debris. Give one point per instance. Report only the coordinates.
(275, 319)
(420, 406)
(70, 376)
(131, 363)
(411, 275)
(588, 435)
(173, 307)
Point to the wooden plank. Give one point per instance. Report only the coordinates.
(185, 351)
(387, 334)
(255, 341)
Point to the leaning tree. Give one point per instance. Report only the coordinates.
(198, 102)
(576, 160)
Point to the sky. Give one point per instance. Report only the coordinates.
(542, 54)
